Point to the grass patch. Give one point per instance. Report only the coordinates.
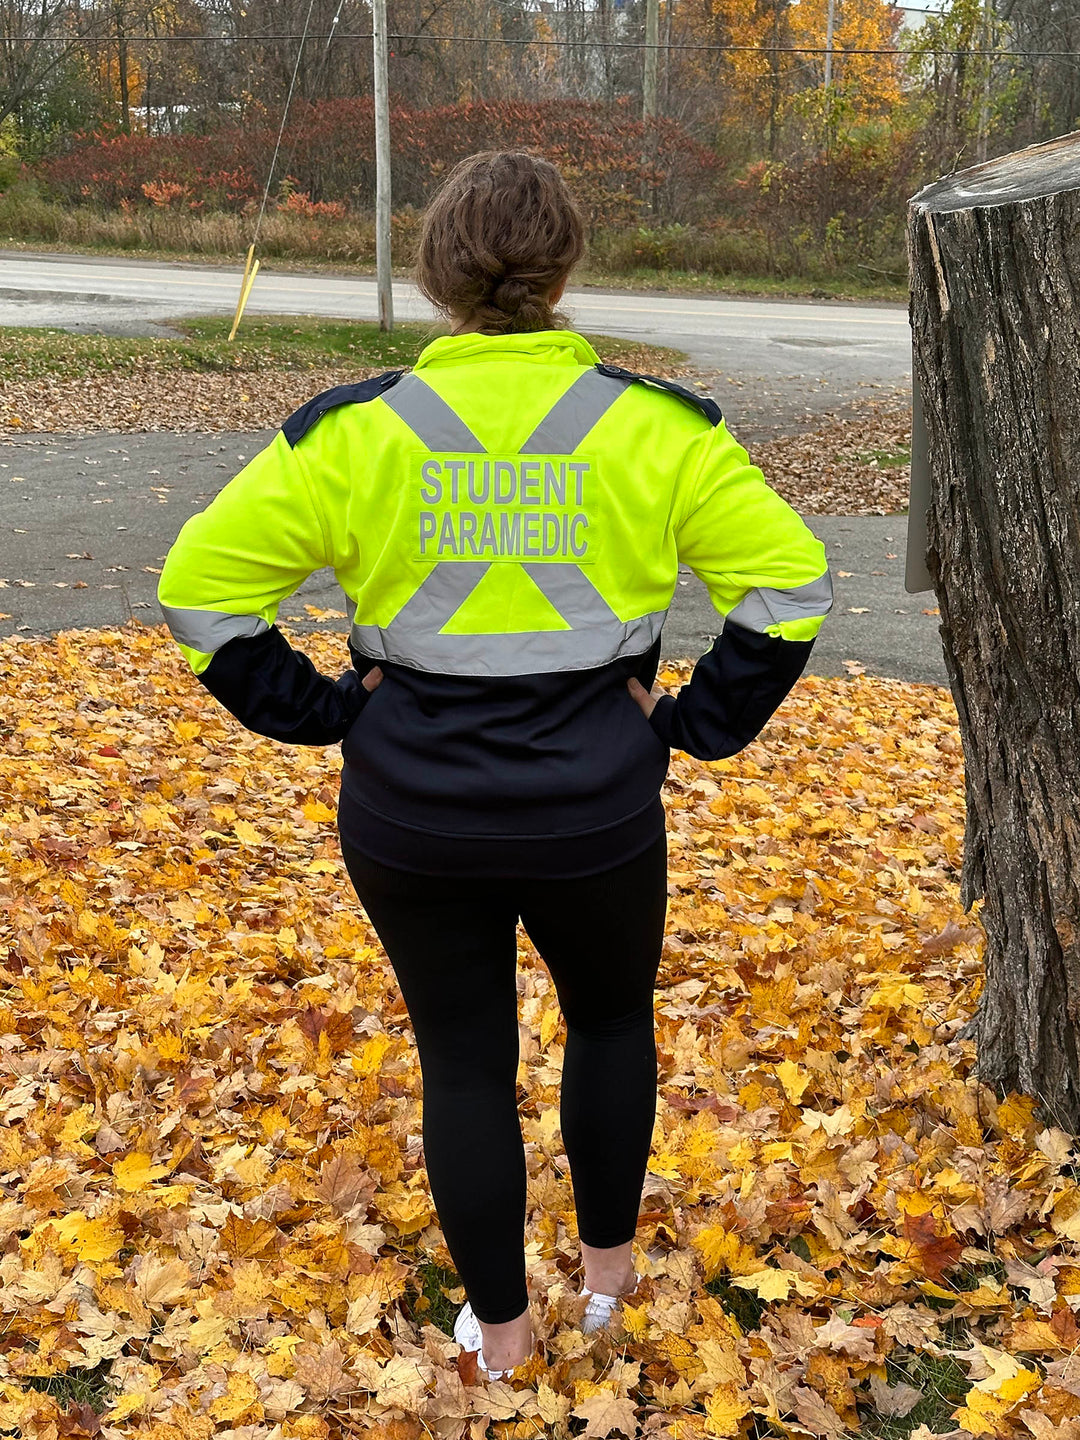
(666, 258)
(943, 1383)
(884, 459)
(744, 1307)
(76, 1387)
(427, 1297)
(264, 343)
(970, 1277)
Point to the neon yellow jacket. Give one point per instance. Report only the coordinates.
(511, 509)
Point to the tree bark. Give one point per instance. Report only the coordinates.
(995, 313)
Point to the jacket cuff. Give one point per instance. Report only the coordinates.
(354, 694)
(663, 717)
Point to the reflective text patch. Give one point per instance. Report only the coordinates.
(495, 507)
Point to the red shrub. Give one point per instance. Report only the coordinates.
(297, 203)
(327, 152)
(162, 193)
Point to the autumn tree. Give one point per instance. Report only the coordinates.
(952, 80)
(38, 38)
(1044, 93)
(863, 70)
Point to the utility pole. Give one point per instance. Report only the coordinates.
(830, 25)
(382, 167)
(652, 51)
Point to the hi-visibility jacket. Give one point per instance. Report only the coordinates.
(507, 522)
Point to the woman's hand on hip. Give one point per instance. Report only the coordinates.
(373, 679)
(644, 699)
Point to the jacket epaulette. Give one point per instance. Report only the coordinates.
(301, 421)
(709, 408)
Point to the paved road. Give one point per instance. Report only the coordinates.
(104, 509)
(801, 357)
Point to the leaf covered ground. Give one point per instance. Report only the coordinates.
(214, 1219)
(846, 465)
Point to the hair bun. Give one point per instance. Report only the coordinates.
(511, 294)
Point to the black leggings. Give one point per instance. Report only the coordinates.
(453, 947)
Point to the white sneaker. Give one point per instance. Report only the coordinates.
(600, 1307)
(470, 1337)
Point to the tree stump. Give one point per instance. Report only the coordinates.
(995, 311)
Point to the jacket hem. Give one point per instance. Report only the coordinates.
(552, 856)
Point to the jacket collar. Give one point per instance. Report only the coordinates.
(546, 347)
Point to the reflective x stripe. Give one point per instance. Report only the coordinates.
(574, 414)
(441, 593)
(759, 609)
(572, 593)
(597, 635)
(208, 630)
(430, 417)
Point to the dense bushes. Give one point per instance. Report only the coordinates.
(327, 158)
(844, 204)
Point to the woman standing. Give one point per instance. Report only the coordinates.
(507, 521)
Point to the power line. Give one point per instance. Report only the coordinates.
(563, 44)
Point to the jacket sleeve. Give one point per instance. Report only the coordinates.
(767, 577)
(227, 572)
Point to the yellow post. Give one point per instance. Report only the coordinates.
(250, 271)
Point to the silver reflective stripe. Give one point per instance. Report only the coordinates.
(446, 588)
(574, 414)
(208, 630)
(528, 652)
(430, 417)
(762, 608)
(572, 593)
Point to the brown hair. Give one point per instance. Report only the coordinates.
(498, 236)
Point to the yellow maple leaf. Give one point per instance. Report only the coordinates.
(1065, 1219)
(318, 812)
(553, 1408)
(722, 1250)
(247, 833)
(606, 1413)
(636, 1320)
(896, 993)
(794, 1080)
(91, 1240)
(279, 1351)
(160, 1283)
(769, 1283)
(725, 1410)
(369, 1059)
(241, 1396)
(128, 1404)
(984, 1412)
(1016, 1115)
(136, 1172)
(409, 1210)
(549, 1025)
